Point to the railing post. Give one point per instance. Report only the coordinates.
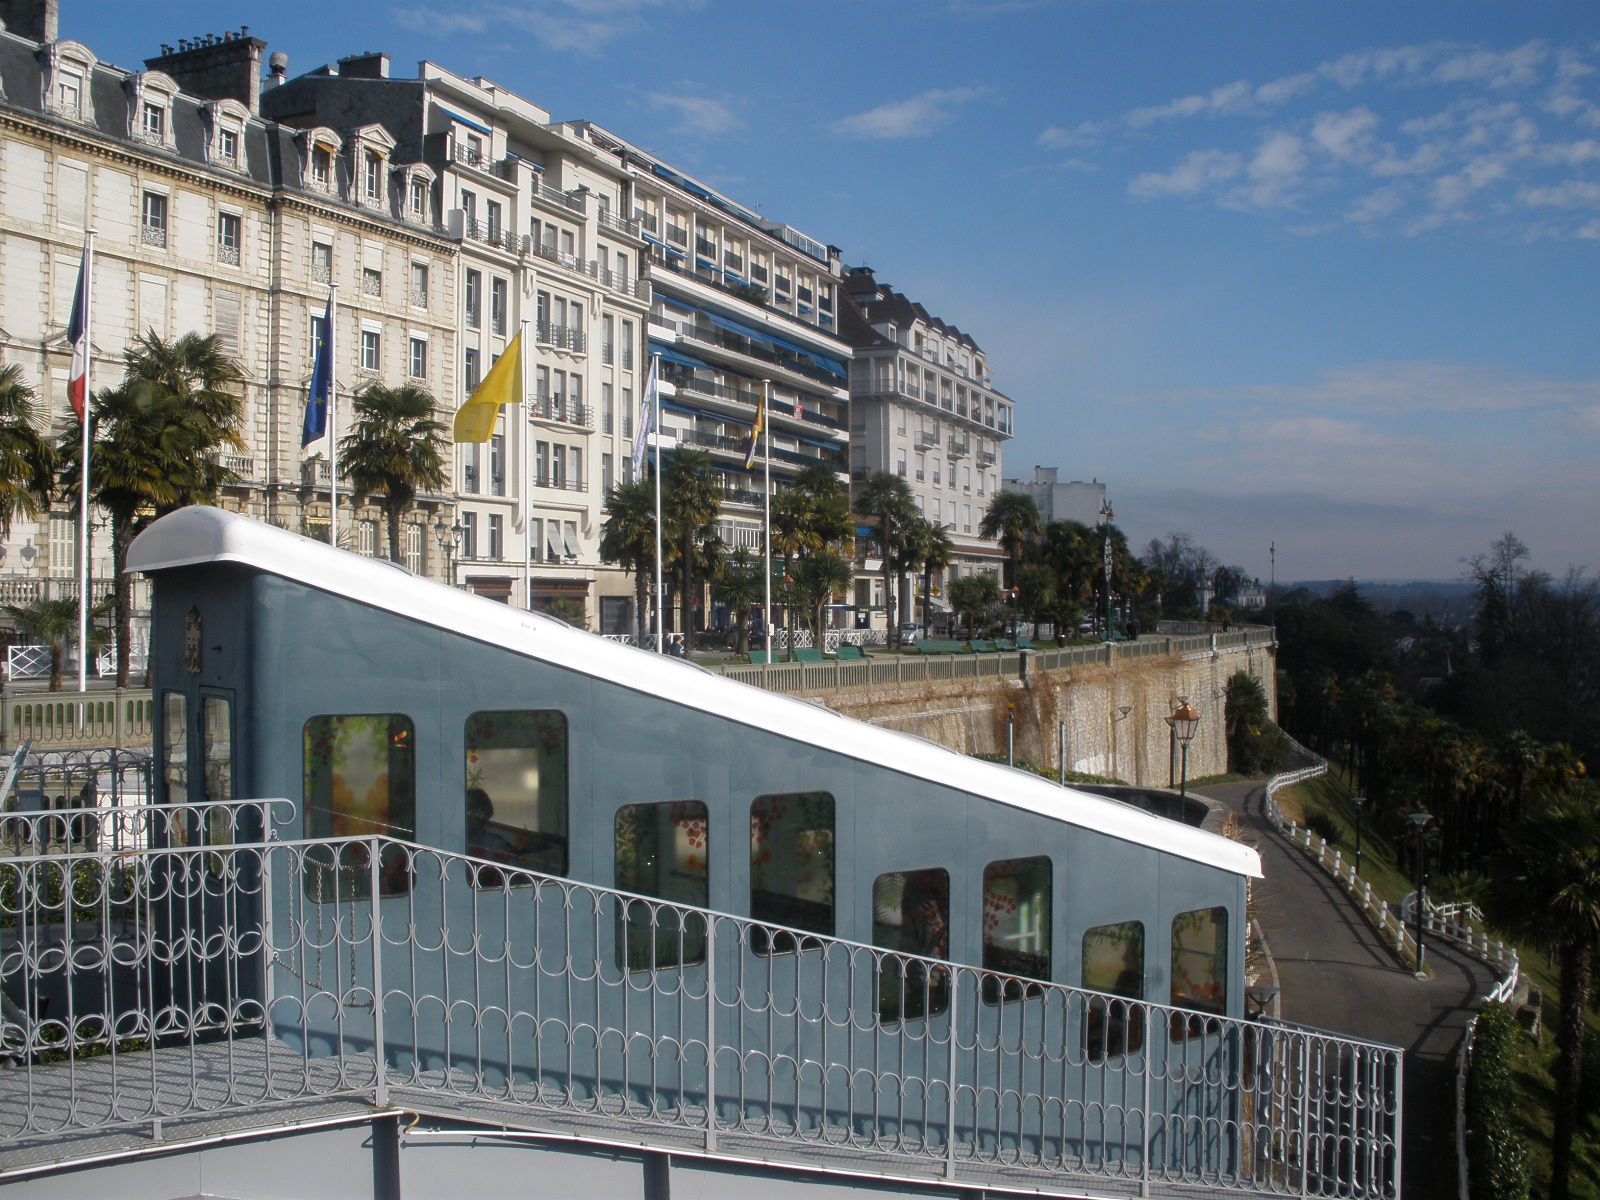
(380, 1069)
(950, 1078)
(711, 1035)
(1144, 1106)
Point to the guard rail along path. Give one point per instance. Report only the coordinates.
(224, 969)
(59, 720)
(892, 670)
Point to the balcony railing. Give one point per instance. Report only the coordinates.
(495, 235)
(563, 337)
(228, 253)
(958, 448)
(565, 484)
(710, 335)
(626, 285)
(550, 195)
(468, 157)
(322, 272)
(153, 235)
(560, 409)
(617, 224)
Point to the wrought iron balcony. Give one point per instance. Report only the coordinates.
(568, 200)
(609, 220)
(153, 235)
(228, 253)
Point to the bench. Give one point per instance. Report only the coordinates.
(850, 652)
(810, 655)
(761, 656)
(942, 646)
(1024, 642)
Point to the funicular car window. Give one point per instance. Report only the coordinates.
(1113, 962)
(791, 867)
(360, 781)
(661, 850)
(911, 915)
(516, 793)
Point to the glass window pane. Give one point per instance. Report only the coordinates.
(791, 866)
(911, 914)
(1113, 962)
(360, 781)
(217, 745)
(1200, 961)
(1016, 924)
(661, 850)
(175, 759)
(516, 791)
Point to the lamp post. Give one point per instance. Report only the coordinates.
(1105, 549)
(1360, 802)
(1185, 723)
(449, 539)
(1420, 820)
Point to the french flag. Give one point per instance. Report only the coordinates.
(78, 335)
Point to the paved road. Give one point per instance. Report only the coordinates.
(1335, 974)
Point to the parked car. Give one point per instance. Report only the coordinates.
(910, 631)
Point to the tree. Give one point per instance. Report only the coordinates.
(887, 497)
(396, 448)
(934, 552)
(157, 441)
(691, 500)
(973, 595)
(1547, 890)
(628, 538)
(27, 459)
(1013, 519)
(1252, 739)
(55, 624)
(740, 588)
(818, 578)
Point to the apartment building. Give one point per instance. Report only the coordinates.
(539, 216)
(1058, 500)
(740, 304)
(923, 405)
(209, 218)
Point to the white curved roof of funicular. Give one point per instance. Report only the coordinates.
(200, 535)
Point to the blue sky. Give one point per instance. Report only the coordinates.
(1314, 273)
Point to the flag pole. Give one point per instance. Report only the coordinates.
(655, 423)
(83, 476)
(525, 474)
(333, 414)
(766, 521)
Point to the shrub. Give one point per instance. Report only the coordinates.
(1496, 1152)
(1322, 825)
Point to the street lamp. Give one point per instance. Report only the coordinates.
(1360, 802)
(1105, 548)
(449, 539)
(1185, 723)
(1420, 820)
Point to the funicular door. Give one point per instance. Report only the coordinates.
(206, 892)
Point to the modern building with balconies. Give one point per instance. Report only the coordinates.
(923, 406)
(740, 303)
(539, 213)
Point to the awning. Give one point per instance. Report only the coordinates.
(682, 360)
(455, 116)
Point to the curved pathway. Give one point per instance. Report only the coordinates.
(1336, 974)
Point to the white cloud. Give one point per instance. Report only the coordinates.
(698, 115)
(585, 27)
(917, 116)
(1346, 135)
(1199, 170)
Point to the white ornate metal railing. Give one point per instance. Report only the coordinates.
(214, 975)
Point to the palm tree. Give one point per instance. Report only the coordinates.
(157, 441)
(1013, 519)
(819, 578)
(396, 448)
(691, 500)
(971, 596)
(1547, 890)
(628, 538)
(55, 624)
(793, 534)
(887, 497)
(27, 459)
(935, 552)
(740, 588)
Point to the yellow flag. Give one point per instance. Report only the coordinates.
(502, 385)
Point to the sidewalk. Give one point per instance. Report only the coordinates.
(1337, 975)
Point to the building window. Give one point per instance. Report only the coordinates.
(153, 219)
(1113, 963)
(371, 350)
(371, 281)
(474, 291)
(497, 465)
(360, 781)
(321, 168)
(791, 867)
(516, 792)
(228, 146)
(470, 370)
(491, 218)
(469, 534)
(152, 122)
(419, 358)
(230, 233)
(1016, 926)
(413, 550)
(367, 538)
(497, 306)
(419, 284)
(911, 916)
(322, 262)
(1199, 967)
(419, 199)
(497, 549)
(661, 851)
(69, 94)
(372, 176)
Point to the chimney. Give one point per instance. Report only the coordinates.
(216, 66)
(279, 65)
(36, 20)
(366, 65)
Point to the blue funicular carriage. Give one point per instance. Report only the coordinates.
(544, 880)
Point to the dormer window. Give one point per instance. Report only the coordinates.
(370, 148)
(228, 146)
(69, 94)
(321, 168)
(225, 124)
(372, 177)
(153, 122)
(319, 149)
(417, 203)
(69, 66)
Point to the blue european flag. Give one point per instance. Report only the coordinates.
(321, 383)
